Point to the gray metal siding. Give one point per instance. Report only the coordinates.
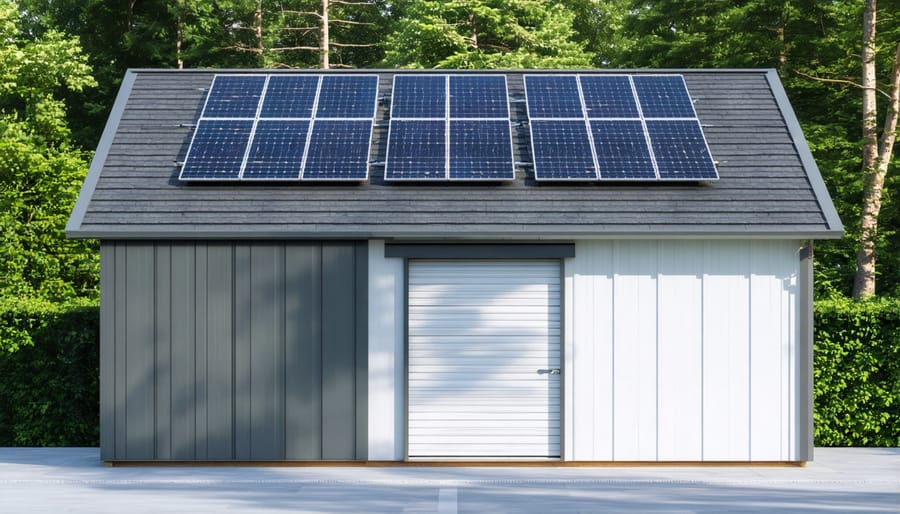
(765, 187)
(233, 351)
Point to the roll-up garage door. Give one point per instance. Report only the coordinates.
(484, 359)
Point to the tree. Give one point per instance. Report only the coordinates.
(877, 151)
(40, 170)
(484, 34)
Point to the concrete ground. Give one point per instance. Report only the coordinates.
(57, 480)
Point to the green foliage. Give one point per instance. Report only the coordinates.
(49, 373)
(472, 34)
(40, 171)
(857, 373)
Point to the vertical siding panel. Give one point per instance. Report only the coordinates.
(385, 359)
(361, 339)
(726, 347)
(139, 359)
(242, 342)
(303, 352)
(278, 360)
(263, 306)
(680, 351)
(635, 350)
(571, 271)
(121, 389)
(220, 274)
(182, 333)
(788, 260)
(108, 312)
(200, 360)
(338, 347)
(765, 353)
(163, 284)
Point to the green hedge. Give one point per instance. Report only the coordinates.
(49, 373)
(857, 373)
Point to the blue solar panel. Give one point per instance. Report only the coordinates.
(562, 150)
(416, 150)
(217, 150)
(478, 96)
(622, 151)
(290, 96)
(663, 96)
(553, 96)
(277, 150)
(481, 150)
(347, 96)
(234, 96)
(419, 96)
(608, 96)
(680, 150)
(338, 150)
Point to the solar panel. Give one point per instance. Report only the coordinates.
(663, 96)
(419, 96)
(234, 96)
(217, 150)
(608, 96)
(338, 150)
(680, 150)
(622, 151)
(277, 150)
(478, 96)
(290, 96)
(562, 150)
(416, 150)
(481, 150)
(553, 96)
(347, 96)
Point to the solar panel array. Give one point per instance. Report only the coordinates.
(284, 127)
(615, 127)
(449, 127)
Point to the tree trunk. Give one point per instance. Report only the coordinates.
(258, 28)
(179, 35)
(875, 157)
(324, 42)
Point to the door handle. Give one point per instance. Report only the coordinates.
(554, 371)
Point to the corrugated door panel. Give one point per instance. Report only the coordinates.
(483, 336)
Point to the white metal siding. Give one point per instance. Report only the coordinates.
(479, 332)
(682, 350)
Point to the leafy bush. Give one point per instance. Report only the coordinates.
(49, 373)
(857, 373)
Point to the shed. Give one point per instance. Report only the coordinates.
(505, 319)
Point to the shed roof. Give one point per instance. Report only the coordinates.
(769, 184)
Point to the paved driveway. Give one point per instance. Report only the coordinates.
(74, 480)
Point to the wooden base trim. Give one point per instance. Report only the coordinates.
(461, 463)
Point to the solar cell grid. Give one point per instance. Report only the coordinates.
(290, 96)
(217, 150)
(622, 151)
(562, 150)
(680, 150)
(277, 150)
(416, 150)
(663, 96)
(553, 96)
(234, 96)
(480, 150)
(419, 96)
(608, 96)
(478, 96)
(338, 150)
(347, 96)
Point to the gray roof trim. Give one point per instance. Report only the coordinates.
(73, 227)
(561, 234)
(806, 156)
(445, 71)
